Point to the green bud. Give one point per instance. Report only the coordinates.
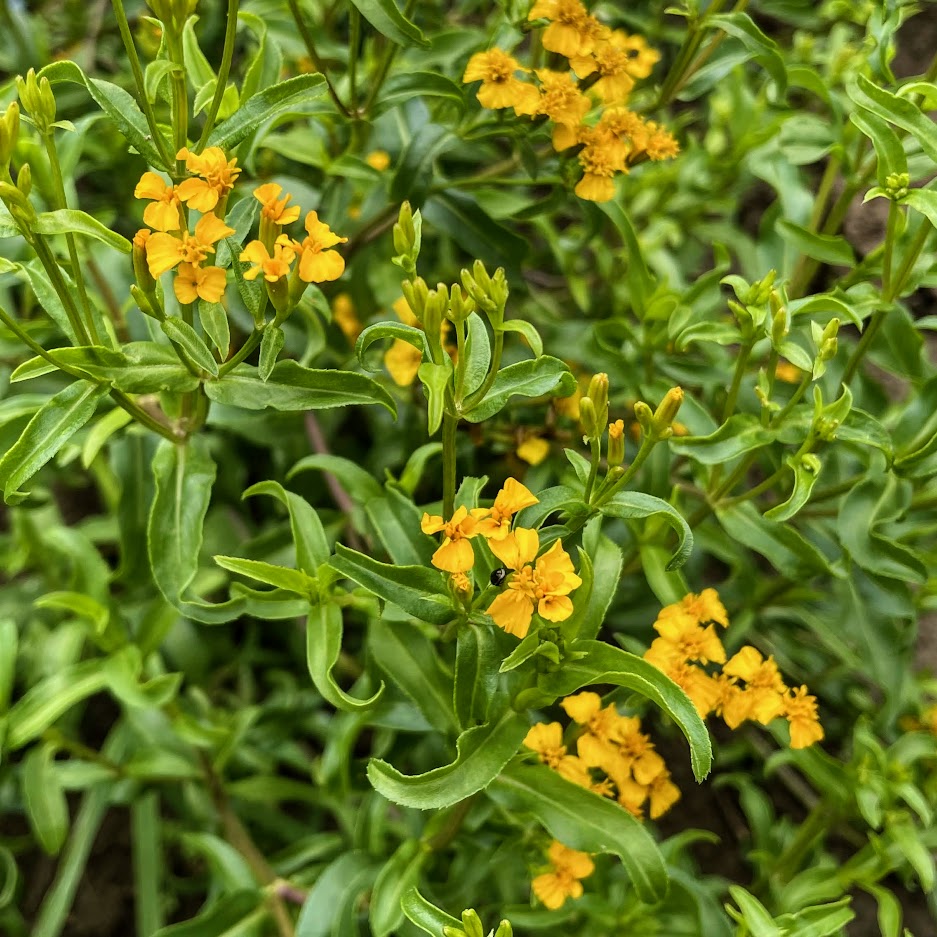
(779, 327)
(598, 394)
(434, 310)
(471, 923)
(9, 134)
(450, 931)
(141, 269)
(490, 293)
(811, 463)
(588, 421)
(896, 185)
(760, 291)
(278, 292)
(407, 239)
(24, 180)
(147, 305)
(37, 99)
(645, 417)
(616, 443)
(460, 305)
(416, 293)
(504, 930)
(18, 205)
(666, 412)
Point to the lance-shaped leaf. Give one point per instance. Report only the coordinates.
(55, 423)
(435, 379)
(824, 247)
(426, 915)
(630, 504)
(324, 630)
(417, 590)
(294, 93)
(535, 378)
(185, 336)
(739, 434)
(482, 752)
(290, 386)
(585, 821)
(387, 19)
(604, 663)
(399, 875)
(282, 577)
(46, 807)
(71, 221)
(889, 152)
(600, 574)
(395, 330)
(806, 471)
(476, 675)
(406, 86)
(898, 111)
(183, 475)
(766, 51)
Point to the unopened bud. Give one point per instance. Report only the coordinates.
(24, 180)
(598, 393)
(9, 134)
(434, 310)
(760, 292)
(811, 463)
(667, 411)
(460, 305)
(504, 930)
(416, 293)
(471, 923)
(147, 303)
(278, 292)
(896, 185)
(407, 238)
(18, 206)
(141, 270)
(616, 443)
(779, 327)
(591, 428)
(645, 417)
(36, 96)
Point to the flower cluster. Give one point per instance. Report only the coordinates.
(614, 758)
(168, 244)
(604, 65)
(540, 584)
(567, 868)
(749, 686)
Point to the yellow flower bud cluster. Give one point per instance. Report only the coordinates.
(614, 758)
(749, 686)
(604, 65)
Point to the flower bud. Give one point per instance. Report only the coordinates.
(591, 429)
(416, 293)
(779, 326)
(598, 393)
(645, 417)
(616, 443)
(9, 134)
(24, 180)
(147, 304)
(896, 185)
(460, 305)
(278, 292)
(18, 206)
(489, 292)
(666, 412)
(37, 99)
(504, 930)
(760, 291)
(471, 923)
(407, 238)
(141, 270)
(828, 339)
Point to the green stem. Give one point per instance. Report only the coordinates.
(773, 479)
(891, 236)
(51, 267)
(608, 491)
(60, 201)
(230, 34)
(462, 362)
(453, 824)
(770, 375)
(180, 98)
(314, 55)
(253, 340)
(816, 824)
(596, 447)
(124, 28)
(449, 424)
(354, 48)
(740, 364)
(858, 353)
(691, 43)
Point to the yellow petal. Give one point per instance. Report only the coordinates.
(211, 228)
(184, 284)
(321, 266)
(454, 556)
(544, 737)
(512, 611)
(582, 707)
(211, 284)
(150, 186)
(162, 253)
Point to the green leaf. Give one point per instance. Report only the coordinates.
(604, 663)
(337, 888)
(739, 434)
(394, 330)
(184, 475)
(600, 573)
(116, 103)
(291, 94)
(324, 630)
(9, 648)
(482, 752)
(477, 355)
(924, 201)
(476, 675)
(251, 291)
(270, 347)
(399, 875)
(783, 546)
(583, 820)
(641, 283)
(545, 375)
(290, 386)
(180, 332)
(387, 19)
(527, 331)
(235, 914)
(282, 577)
(436, 379)
(55, 423)
(755, 914)
(101, 432)
(824, 247)
(766, 51)
(46, 807)
(214, 321)
(425, 915)
(357, 481)
(410, 659)
(38, 281)
(405, 86)
(889, 152)
(806, 472)
(896, 111)
(151, 368)
(312, 545)
(71, 221)
(397, 522)
(629, 504)
(84, 606)
(417, 590)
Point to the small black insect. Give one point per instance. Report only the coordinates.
(498, 576)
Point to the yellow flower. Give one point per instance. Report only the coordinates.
(693, 680)
(546, 739)
(661, 144)
(216, 175)
(271, 266)
(641, 57)
(631, 796)
(683, 639)
(402, 359)
(164, 251)
(764, 686)
(455, 554)
(560, 98)
(611, 60)
(275, 208)
(564, 881)
(141, 237)
(318, 264)
(600, 162)
(571, 31)
(787, 372)
(194, 282)
(533, 450)
(163, 213)
(345, 317)
(378, 159)
(732, 703)
(705, 608)
(801, 712)
(544, 586)
(623, 125)
(495, 522)
(663, 794)
(500, 88)
(637, 751)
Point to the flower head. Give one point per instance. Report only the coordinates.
(641, 58)
(163, 211)
(378, 159)
(571, 31)
(704, 608)
(194, 282)
(801, 713)
(495, 522)
(216, 175)
(164, 251)
(455, 555)
(764, 686)
(600, 161)
(500, 86)
(560, 98)
(273, 207)
(569, 867)
(272, 266)
(318, 264)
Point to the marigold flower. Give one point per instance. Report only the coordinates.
(641, 57)
(318, 264)
(461, 582)
(600, 164)
(163, 211)
(544, 587)
(533, 450)
(683, 639)
(455, 555)
(661, 144)
(693, 680)
(705, 608)
(662, 794)
(500, 88)
(275, 208)
(612, 61)
(271, 266)
(764, 686)
(631, 796)
(546, 739)
(216, 176)
(564, 881)
(495, 522)
(732, 703)
(378, 159)
(560, 98)
(801, 713)
(164, 251)
(194, 282)
(571, 31)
